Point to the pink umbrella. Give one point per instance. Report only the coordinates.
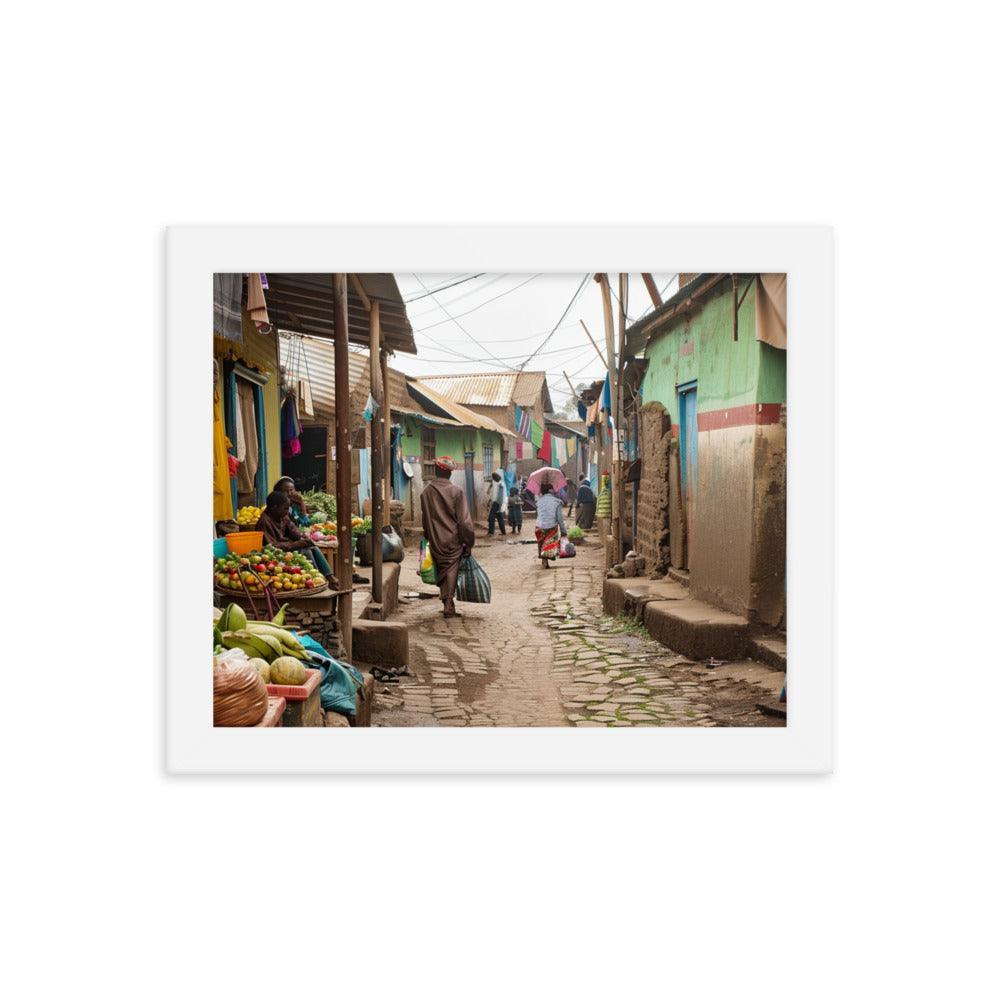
(547, 475)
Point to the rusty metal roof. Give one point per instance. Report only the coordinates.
(303, 303)
(492, 388)
(468, 418)
(312, 357)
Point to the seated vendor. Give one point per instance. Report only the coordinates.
(299, 511)
(281, 531)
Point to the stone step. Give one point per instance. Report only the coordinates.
(697, 629)
(771, 650)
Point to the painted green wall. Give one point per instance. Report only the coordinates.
(729, 373)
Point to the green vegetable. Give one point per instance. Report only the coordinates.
(321, 501)
(576, 533)
(363, 528)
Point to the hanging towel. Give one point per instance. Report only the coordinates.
(241, 444)
(537, 434)
(247, 475)
(545, 451)
(523, 422)
(606, 395)
(256, 306)
(227, 296)
(519, 449)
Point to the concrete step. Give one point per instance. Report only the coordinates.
(381, 644)
(697, 629)
(624, 595)
(771, 650)
(680, 575)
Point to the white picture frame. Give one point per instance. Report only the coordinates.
(804, 745)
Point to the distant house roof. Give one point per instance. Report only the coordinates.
(492, 388)
(577, 427)
(433, 400)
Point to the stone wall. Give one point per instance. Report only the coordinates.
(654, 445)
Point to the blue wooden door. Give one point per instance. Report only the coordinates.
(687, 400)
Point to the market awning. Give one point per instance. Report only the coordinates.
(303, 303)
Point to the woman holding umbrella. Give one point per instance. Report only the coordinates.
(549, 525)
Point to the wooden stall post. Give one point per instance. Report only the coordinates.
(386, 424)
(620, 419)
(609, 338)
(342, 397)
(374, 332)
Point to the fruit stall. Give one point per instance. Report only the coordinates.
(268, 675)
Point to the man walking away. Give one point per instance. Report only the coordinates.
(497, 498)
(448, 528)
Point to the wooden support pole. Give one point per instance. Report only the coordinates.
(387, 424)
(576, 398)
(342, 394)
(377, 438)
(604, 360)
(620, 419)
(609, 338)
(652, 289)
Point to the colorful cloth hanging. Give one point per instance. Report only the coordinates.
(227, 299)
(537, 434)
(519, 449)
(545, 451)
(522, 420)
(256, 306)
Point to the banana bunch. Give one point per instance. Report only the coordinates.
(264, 640)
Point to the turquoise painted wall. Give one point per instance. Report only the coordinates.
(729, 373)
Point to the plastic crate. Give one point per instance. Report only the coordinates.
(297, 692)
(272, 717)
(242, 542)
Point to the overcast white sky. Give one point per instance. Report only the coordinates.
(510, 315)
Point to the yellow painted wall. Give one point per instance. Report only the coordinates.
(260, 351)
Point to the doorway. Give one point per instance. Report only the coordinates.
(308, 468)
(687, 407)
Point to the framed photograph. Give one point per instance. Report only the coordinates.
(500, 499)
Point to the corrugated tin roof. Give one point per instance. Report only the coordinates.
(456, 411)
(529, 385)
(303, 303)
(577, 427)
(313, 356)
(491, 388)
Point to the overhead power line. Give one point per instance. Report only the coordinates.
(462, 328)
(441, 288)
(572, 302)
(431, 326)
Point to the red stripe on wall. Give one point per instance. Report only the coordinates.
(740, 416)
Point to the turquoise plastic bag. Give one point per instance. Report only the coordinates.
(339, 682)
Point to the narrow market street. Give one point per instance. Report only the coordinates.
(543, 654)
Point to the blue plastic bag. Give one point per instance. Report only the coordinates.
(339, 682)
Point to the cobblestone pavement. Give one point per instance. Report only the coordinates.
(543, 654)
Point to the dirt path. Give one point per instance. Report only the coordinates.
(542, 654)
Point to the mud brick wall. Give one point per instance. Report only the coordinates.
(654, 445)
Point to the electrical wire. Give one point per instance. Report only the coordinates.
(441, 288)
(459, 325)
(572, 302)
(481, 304)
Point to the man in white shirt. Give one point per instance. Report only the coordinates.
(497, 499)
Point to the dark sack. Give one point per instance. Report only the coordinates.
(473, 583)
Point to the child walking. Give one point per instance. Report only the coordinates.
(514, 511)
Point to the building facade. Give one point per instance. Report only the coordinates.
(712, 425)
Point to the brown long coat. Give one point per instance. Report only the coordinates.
(448, 527)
